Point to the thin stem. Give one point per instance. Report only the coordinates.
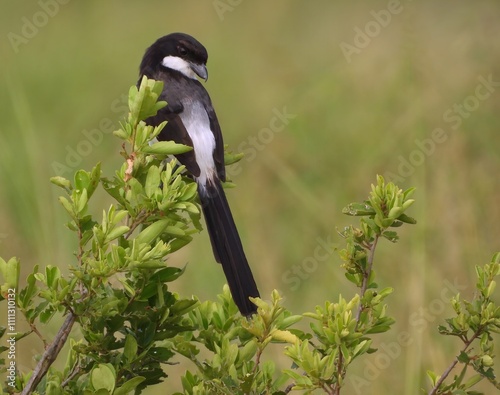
(328, 390)
(339, 372)
(35, 330)
(76, 369)
(53, 350)
(454, 363)
(366, 276)
(257, 360)
(50, 355)
(80, 258)
(138, 220)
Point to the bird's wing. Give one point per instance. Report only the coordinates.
(175, 131)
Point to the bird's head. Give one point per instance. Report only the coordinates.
(176, 51)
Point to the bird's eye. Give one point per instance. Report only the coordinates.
(182, 50)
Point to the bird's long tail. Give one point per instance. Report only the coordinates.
(227, 246)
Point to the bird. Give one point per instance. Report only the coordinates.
(177, 60)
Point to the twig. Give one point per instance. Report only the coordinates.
(50, 354)
(453, 364)
(76, 369)
(138, 220)
(35, 330)
(327, 389)
(366, 276)
(339, 372)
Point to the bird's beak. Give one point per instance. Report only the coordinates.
(200, 70)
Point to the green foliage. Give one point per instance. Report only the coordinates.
(132, 326)
(475, 324)
(117, 288)
(340, 332)
(236, 346)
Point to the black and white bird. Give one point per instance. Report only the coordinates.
(177, 59)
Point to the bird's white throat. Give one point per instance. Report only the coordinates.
(179, 64)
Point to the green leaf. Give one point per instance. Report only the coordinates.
(166, 148)
(130, 348)
(67, 206)
(149, 234)
(407, 194)
(283, 336)
(289, 321)
(129, 385)
(152, 181)
(52, 275)
(406, 219)
(162, 354)
(460, 377)
(473, 381)
(491, 288)
(378, 329)
(496, 257)
(135, 99)
(391, 236)
(27, 294)
(116, 232)
(230, 158)
(247, 352)
(82, 202)
(122, 134)
(433, 377)
(175, 231)
(183, 306)
(82, 180)
(167, 274)
(10, 272)
(358, 209)
(61, 182)
(95, 178)
(102, 377)
(361, 348)
(157, 129)
(143, 101)
(463, 357)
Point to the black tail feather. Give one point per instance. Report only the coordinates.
(227, 246)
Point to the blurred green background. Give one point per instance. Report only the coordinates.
(367, 86)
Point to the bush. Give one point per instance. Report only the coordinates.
(132, 325)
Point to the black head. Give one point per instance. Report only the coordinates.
(176, 51)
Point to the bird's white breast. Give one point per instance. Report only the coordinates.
(195, 119)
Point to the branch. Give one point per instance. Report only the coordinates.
(340, 362)
(50, 355)
(74, 371)
(366, 276)
(35, 330)
(454, 363)
(138, 220)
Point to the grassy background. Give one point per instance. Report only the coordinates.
(353, 119)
